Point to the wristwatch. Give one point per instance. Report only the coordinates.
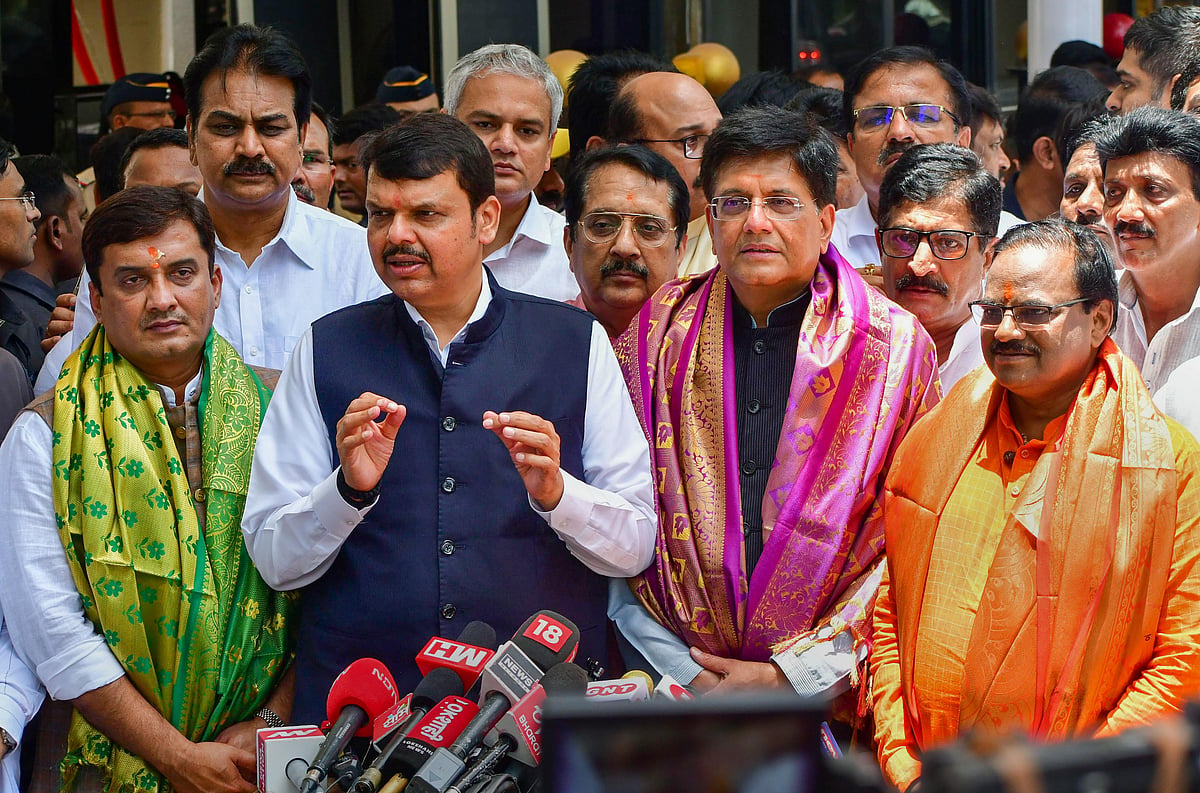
(355, 498)
(270, 717)
(7, 740)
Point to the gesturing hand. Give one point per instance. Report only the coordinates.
(364, 446)
(62, 319)
(533, 446)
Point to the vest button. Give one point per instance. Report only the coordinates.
(749, 467)
(448, 484)
(448, 424)
(754, 406)
(448, 611)
(448, 547)
(760, 347)
(199, 495)
(181, 432)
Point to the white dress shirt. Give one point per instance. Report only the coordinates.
(966, 355)
(534, 261)
(1175, 342)
(296, 520)
(20, 697)
(1177, 397)
(316, 264)
(854, 233)
(49, 629)
(698, 255)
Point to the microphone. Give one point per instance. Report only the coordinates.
(632, 687)
(360, 693)
(439, 682)
(670, 688)
(545, 639)
(518, 734)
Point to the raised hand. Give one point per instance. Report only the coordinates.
(533, 446)
(364, 445)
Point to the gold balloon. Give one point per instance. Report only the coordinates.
(563, 64)
(721, 68)
(691, 65)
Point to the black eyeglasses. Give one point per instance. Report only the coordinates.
(693, 145)
(918, 114)
(949, 244)
(1028, 316)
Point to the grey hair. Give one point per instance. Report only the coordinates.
(505, 59)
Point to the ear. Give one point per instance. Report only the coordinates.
(1165, 96)
(55, 229)
(94, 299)
(1045, 153)
(487, 219)
(191, 135)
(825, 216)
(964, 136)
(594, 142)
(708, 217)
(850, 143)
(569, 245)
(1102, 320)
(218, 278)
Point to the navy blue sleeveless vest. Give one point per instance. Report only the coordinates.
(452, 537)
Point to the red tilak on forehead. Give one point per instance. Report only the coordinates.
(156, 256)
(1008, 292)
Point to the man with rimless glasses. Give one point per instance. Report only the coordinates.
(18, 214)
(895, 99)
(938, 213)
(1042, 527)
(774, 391)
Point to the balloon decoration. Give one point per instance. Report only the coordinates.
(1115, 26)
(712, 65)
(563, 64)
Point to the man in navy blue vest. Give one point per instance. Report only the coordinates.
(450, 452)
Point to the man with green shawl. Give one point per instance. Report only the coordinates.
(154, 624)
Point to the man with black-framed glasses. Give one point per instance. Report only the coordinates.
(627, 215)
(938, 212)
(673, 115)
(895, 99)
(1042, 527)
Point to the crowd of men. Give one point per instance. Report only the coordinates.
(814, 390)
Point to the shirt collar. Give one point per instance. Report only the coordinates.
(32, 285)
(786, 315)
(1128, 297)
(859, 220)
(190, 391)
(295, 232)
(534, 225)
(481, 305)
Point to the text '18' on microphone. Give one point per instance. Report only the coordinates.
(545, 639)
(360, 693)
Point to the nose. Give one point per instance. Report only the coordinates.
(400, 231)
(1113, 103)
(33, 214)
(1128, 209)
(757, 221)
(625, 244)
(899, 129)
(1091, 201)
(159, 294)
(923, 262)
(504, 141)
(1005, 162)
(1008, 328)
(249, 144)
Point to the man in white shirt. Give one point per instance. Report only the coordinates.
(1151, 162)
(20, 697)
(509, 97)
(938, 212)
(895, 99)
(673, 115)
(285, 262)
(520, 479)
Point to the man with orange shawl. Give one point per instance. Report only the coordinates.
(774, 391)
(1043, 527)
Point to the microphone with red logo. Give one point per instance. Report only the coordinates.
(462, 658)
(634, 686)
(670, 688)
(544, 640)
(363, 691)
(518, 734)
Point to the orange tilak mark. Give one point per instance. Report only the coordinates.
(155, 256)
(1008, 293)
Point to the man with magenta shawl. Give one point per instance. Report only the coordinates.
(774, 391)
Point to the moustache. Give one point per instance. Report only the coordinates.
(908, 281)
(406, 250)
(893, 147)
(1013, 348)
(304, 192)
(624, 265)
(1124, 226)
(243, 166)
(159, 316)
